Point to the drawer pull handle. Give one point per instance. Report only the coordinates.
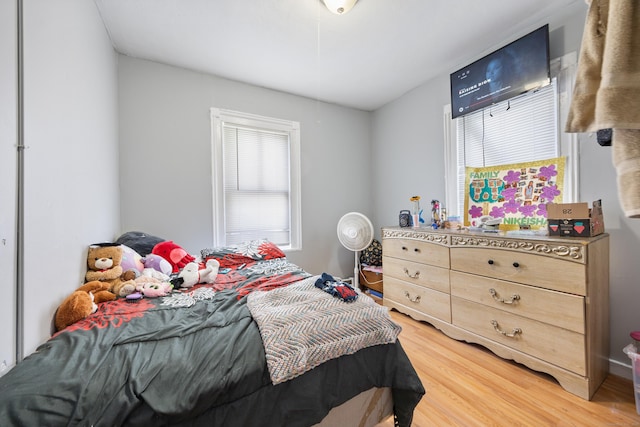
(494, 294)
(404, 248)
(417, 250)
(490, 262)
(416, 299)
(413, 276)
(513, 334)
(516, 264)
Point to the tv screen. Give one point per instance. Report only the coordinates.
(516, 68)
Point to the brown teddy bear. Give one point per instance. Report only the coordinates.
(81, 303)
(103, 261)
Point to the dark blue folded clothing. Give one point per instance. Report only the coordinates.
(337, 288)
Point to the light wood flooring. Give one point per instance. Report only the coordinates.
(467, 385)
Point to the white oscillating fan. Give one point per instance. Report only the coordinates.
(355, 232)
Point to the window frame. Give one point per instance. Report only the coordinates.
(220, 116)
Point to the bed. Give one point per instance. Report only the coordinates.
(259, 346)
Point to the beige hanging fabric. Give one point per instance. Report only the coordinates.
(607, 90)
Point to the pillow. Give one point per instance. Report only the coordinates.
(243, 253)
(131, 260)
(140, 242)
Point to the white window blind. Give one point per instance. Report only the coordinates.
(256, 179)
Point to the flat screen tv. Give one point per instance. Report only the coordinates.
(516, 68)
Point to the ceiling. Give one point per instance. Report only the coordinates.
(364, 59)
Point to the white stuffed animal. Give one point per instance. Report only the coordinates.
(152, 272)
(191, 274)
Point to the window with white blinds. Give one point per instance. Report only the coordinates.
(256, 179)
(522, 129)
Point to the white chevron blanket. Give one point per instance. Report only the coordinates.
(302, 327)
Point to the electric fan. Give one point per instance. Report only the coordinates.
(355, 232)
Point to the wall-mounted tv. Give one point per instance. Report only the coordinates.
(516, 68)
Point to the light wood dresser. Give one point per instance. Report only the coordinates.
(541, 301)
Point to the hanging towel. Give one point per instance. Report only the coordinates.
(607, 89)
(626, 159)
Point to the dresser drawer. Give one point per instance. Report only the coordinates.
(552, 344)
(537, 270)
(419, 274)
(417, 251)
(427, 301)
(555, 308)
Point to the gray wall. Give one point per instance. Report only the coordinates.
(165, 158)
(408, 155)
(79, 185)
(71, 160)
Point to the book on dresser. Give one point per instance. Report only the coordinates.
(542, 301)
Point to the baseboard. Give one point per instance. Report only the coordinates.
(620, 369)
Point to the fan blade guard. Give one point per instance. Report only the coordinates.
(355, 231)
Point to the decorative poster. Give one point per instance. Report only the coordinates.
(516, 193)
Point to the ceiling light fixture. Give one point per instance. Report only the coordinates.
(339, 7)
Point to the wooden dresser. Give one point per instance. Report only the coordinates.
(541, 301)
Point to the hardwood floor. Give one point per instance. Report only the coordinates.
(468, 385)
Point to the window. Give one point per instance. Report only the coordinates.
(523, 129)
(256, 179)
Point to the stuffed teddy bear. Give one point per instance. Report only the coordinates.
(103, 262)
(81, 303)
(192, 274)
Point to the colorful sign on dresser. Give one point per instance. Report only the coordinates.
(516, 193)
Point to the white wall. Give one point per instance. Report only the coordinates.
(165, 158)
(8, 136)
(71, 171)
(408, 154)
(408, 151)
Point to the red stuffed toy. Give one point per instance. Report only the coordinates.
(173, 253)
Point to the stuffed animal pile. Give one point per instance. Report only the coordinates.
(115, 270)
